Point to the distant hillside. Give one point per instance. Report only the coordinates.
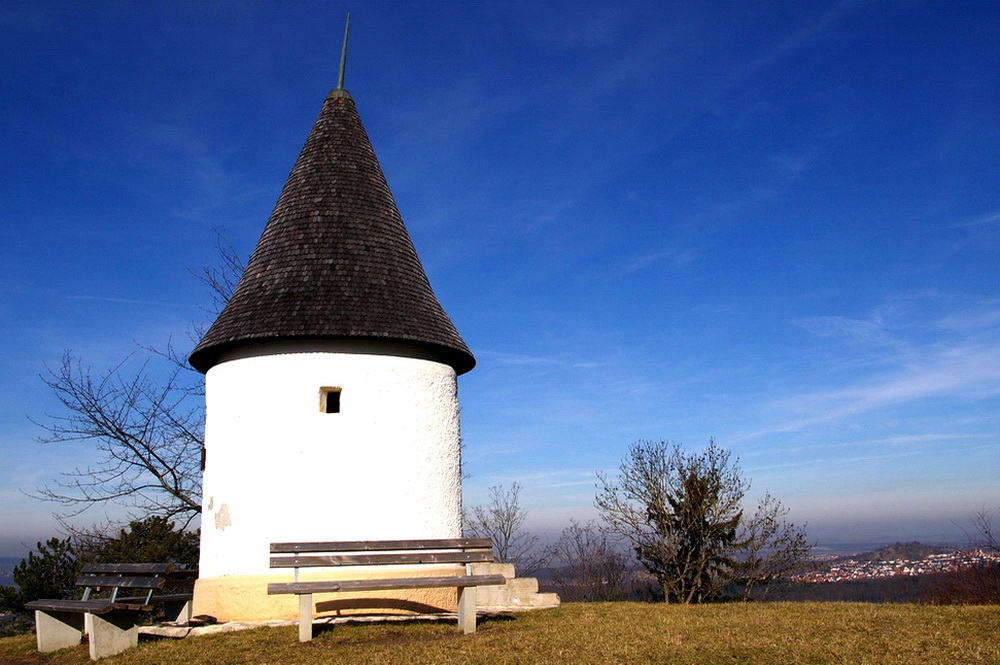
(878, 576)
(912, 551)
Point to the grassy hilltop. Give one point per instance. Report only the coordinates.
(601, 633)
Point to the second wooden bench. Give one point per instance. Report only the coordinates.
(110, 617)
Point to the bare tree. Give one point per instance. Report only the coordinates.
(145, 418)
(148, 435)
(221, 277)
(502, 521)
(977, 584)
(986, 537)
(682, 514)
(772, 548)
(679, 512)
(588, 566)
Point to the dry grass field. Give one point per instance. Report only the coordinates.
(601, 633)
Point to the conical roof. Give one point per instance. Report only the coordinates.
(334, 261)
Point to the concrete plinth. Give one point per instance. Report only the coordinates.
(112, 633)
(58, 630)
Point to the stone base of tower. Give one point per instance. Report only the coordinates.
(244, 598)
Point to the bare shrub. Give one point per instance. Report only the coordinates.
(588, 566)
(974, 585)
(771, 548)
(502, 521)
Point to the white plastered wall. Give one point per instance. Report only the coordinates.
(279, 469)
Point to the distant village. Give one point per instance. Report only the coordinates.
(851, 570)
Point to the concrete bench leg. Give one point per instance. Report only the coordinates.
(58, 630)
(467, 609)
(305, 617)
(112, 633)
(177, 611)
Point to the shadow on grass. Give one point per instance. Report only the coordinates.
(396, 629)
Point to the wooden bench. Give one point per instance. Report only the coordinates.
(106, 613)
(443, 554)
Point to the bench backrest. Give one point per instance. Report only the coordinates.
(124, 575)
(381, 552)
(148, 576)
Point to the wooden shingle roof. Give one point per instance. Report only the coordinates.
(334, 261)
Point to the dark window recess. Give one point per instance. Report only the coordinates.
(330, 402)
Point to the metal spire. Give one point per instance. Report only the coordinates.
(339, 90)
(343, 54)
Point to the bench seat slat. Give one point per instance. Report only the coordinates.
(171, 597)
(380, 559)
(378, 545)
(133, 604)
(107, 581)
(164, 598)
(100, 606)
(276, 588)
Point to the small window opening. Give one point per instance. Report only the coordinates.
(329, 401)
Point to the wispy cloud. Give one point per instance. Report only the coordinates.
(545, 480)
(806, 34)
(828, 462)
(969, 372)
(677, 258)
(989, 219)
(972, 320)
(568, 361)
(780, 49)
(181, 150)
(902, 440)
(519, 359)
(950, 355)
(126, 301)
(870, 331)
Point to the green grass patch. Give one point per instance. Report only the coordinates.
(600, 633)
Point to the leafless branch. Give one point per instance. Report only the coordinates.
(147, 434)
(222, 277)
(502, 521)
(772, 547)
(589, 566)
(146, 423)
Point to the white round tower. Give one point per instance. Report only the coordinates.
(332, 410)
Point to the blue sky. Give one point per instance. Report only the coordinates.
(776, 223)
